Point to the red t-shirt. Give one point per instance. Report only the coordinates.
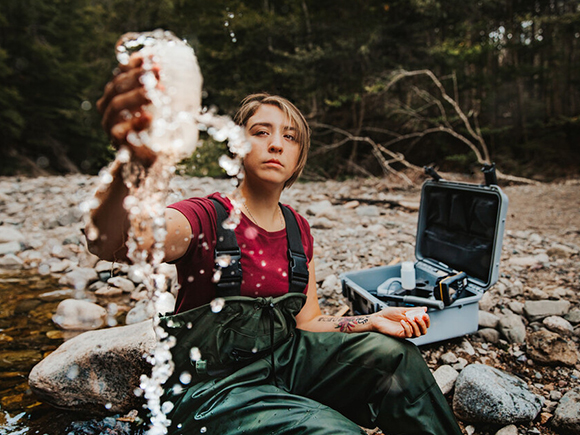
(264, 254)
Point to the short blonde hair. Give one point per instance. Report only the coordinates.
(252, 103)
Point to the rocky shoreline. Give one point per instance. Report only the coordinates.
(524, 360)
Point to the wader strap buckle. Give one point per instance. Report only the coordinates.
(298, 271)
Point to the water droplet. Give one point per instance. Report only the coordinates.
(201, 271)
(166, 407)
(73, 372)
(284, 274)
(263, 263)
(224, 260)
(217, 305)
(190, 278)
(108, 405)
(254, 350)
(216, 275)
(138, 392)
(185, 377)
(177, 388)
(194, 354)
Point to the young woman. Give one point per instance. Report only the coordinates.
(269, 362)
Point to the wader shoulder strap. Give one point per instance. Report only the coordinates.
(227, 252)
(227, 246)
(297, 261)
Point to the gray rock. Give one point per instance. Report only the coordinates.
(143, 310)
(10, 248)
(537, 295)
(546, 347)
(512, 328)
(567, 414)
(448, 358)
(11, 261)
(559, 325)
(10, 234)
(561, 251)
(489, 335)
(79, 278)
(487, 302)
(56, 295)
(77, 315)
(96, 369)
(508, 430)
(537, 310)
(573, 316)
(517, 307)
(487, 320)
(317, 208)
(445, 376)
(488, 395)
(124, 284)
(368, 211)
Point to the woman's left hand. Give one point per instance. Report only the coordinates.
(403, 322)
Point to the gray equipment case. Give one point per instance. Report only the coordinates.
(460, 229)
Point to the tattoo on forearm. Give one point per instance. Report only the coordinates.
(345, 324)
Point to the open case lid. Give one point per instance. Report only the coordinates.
(461, 225)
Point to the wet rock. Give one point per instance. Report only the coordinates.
(79, 278)
(537, 310)
(124, 284)
(546, 347)
(73, 314)
(97, 371)
(56, 295)
(488, 395)
(23, 360)
(512, 327)
(567, 414)
(143, 310)
(445, 376)
(108, 292)
(11, 261)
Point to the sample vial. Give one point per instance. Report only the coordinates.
(408, 275)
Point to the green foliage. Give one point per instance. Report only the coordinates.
(205, 161)
(516, 65)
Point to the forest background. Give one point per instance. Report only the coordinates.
(384, 84)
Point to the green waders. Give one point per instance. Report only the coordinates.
(260, 375)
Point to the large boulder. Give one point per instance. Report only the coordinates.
(488, 395)
(97, 371)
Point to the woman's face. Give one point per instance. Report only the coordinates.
(275, 149)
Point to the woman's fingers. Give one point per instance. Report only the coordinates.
(123, 108)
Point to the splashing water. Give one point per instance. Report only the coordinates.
(175, 95)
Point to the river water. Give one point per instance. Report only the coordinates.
(27, 334)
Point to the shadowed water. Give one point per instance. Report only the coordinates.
(27, 334)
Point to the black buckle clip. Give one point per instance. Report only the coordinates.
(299, 275)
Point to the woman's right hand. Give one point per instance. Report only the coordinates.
(122, 109)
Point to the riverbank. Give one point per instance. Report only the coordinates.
(356, 224)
